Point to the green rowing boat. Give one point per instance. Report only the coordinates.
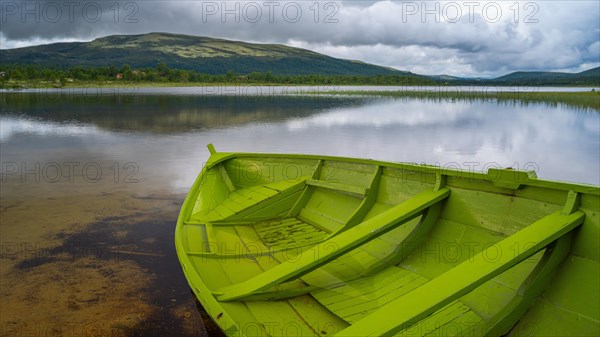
(303, 245)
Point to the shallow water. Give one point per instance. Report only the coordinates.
(92, 184)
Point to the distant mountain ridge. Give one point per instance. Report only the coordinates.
(218, 56)
(202, 54)
(588, 77)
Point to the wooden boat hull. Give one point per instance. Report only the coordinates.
(281, 245)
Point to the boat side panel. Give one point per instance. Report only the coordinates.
(570, 306)
(247, 172)
(196, 239)
(587, 238)
(395, 189)
(581, 274)
(430, 171)
(211, 190)
(500, 213)
(354, 174)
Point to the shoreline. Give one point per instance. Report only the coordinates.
(28, 85)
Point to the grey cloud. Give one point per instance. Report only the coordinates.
(565, 35)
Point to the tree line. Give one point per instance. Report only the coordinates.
(163, 73)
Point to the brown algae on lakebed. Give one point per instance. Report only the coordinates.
(95, 264)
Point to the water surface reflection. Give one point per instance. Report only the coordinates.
(167, 134)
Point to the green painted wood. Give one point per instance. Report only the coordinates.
(411, 241)
(360, 191)
(395, 188)
(234, 271)
(226, 178)
(569, 306)
(355, 299)
(572, 203)
(306, 193)
(319, 220)
(360, 287)
(332, 204)
(424, 172)
(204, 199)
(241, 203)
(366, 204)
(418, 304)
(344, 242)
(218, 158)
(276, 208)
(197, 238)
(288, 234)
(267, 226)
(455, 319)
(208, 244)
(262, 239)
(483, 208)
(509, 178)
(211, 148)
(351, 173)
(298, 313)
(354, 309)
(241, 199)
(530, 289)
(286, 195)
(324, 323)
(263, 170)
(262, 190)
(352, 265)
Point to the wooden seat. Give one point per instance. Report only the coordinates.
(247, 202)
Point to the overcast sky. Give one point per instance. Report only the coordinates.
(461, 38)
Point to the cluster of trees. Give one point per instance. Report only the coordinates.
(162, 73)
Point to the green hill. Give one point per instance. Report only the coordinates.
(206, 55)
(202, 54)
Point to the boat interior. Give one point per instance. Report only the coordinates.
(307, 245)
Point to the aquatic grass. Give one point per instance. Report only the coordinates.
(585, 100)
(440, 94)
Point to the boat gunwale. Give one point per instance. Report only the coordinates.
(423, 168)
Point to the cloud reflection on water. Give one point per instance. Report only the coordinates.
(562, 142)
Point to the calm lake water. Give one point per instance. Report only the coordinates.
(91, 184)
